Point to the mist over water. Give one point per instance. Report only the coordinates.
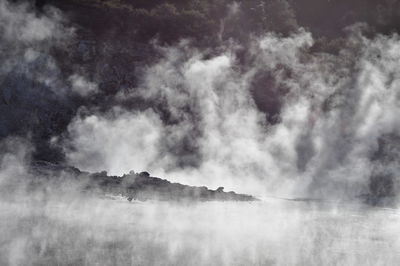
(114, 232)
(318, 138)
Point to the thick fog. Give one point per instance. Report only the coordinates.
(331, 131)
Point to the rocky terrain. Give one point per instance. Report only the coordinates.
(133, 186)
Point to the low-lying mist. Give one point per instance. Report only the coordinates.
(93, 231)
(59, 223)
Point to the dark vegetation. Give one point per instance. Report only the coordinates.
(170, 20)
(133, 186)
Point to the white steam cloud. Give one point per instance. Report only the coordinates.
(335, 111)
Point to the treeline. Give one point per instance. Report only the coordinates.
(210, 20)
(205, 21)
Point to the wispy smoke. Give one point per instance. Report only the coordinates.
(34, 89)
(27, 38)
